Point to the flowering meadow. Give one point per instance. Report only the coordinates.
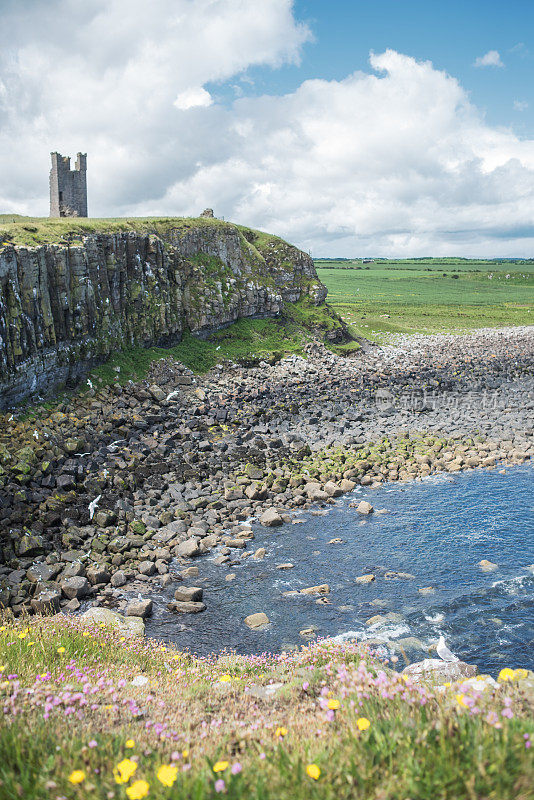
(90, 714)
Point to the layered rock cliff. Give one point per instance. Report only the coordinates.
(66, 306)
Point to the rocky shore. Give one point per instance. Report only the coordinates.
(116, 493)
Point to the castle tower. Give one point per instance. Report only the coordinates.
(68, 187)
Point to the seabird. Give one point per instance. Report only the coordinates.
(443, 651)
(92, 506)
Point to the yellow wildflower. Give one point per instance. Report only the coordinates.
(86, 633)
(77, 776)
(363, 723)
(220, 766)
(280, 732)
(124, 770)
(129, 743)
(460, 699)
(61, 650)
(506, 674)
(167, 774)
(3, 667)
(313, 771)
(185, 754)
(137, 790)
(22, 635)
(520, 674)
(333, 705)
(225, 678)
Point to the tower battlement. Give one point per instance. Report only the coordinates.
(68, 187)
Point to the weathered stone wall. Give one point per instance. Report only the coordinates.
(68, 187)
(64, 308)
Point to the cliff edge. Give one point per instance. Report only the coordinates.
(74, 291)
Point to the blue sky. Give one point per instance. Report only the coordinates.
(451, 34)
(348, 128)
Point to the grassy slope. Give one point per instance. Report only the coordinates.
(70, 705)
(34, 231)
(418, 297)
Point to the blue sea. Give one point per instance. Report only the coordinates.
(436, 530)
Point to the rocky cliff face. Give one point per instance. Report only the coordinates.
(65, 307)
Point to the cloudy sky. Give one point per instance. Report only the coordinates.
(350, 128)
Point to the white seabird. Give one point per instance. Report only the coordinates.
(92, 506)
(443, 651)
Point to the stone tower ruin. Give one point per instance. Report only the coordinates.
(68, 187)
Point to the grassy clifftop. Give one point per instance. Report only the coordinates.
(34, 231)
(89, 714)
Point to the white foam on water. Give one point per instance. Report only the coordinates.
(512, 585)
(344, 637)
(437, 618)
(384, 633)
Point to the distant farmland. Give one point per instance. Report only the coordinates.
(429, 295)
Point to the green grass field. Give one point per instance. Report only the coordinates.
(428, 295)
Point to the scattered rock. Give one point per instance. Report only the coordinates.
(365, 578)
(189, 593)
(438, 671)
(75, 587)
(271, 518)
(139, 608)
(127, 626)
(186, 607)
(323, 588)
(487, 566)
(257, 620)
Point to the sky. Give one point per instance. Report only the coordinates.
(390, 128)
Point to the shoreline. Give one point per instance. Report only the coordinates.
(177, 463)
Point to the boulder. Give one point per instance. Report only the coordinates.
(487, 566)
(127, 626)
(365, 578)
(118, 578)
(147, 568)
(98, 575)
(139, 608)
(434, 669)
(75, 587)
(47, 602)
(188, 549)
(364, 507)
(257, 620)
(39, 573)
(189, 572)
(347, 485)
(186, 607)
(271, 518)
(315, 493)
(260, 553)
(332, 489)
(157, 393)
(189, 593)
(323, 588)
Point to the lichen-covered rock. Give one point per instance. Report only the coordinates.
(64, 308)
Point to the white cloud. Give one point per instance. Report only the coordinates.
(490, 59)
(193, 98)
(393, 161)
(520, 105)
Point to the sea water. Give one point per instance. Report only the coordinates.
(437, 530)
